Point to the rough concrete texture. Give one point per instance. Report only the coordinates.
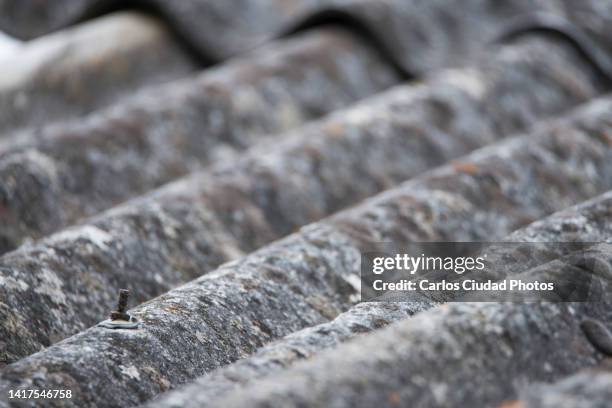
(360, 319)
(217, 319)
(417, 35)
(588, 222)
(188, 228)
(313, 275)
(589, 388)
(580, 276)
(75, 71)
(69, 170)
(472, 354)
(558, 248)
(577, 276)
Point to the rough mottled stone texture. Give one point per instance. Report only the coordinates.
(562, 243)
(589, 388)
(417, 35)
(50, 179)
(75, 71)
(474, 354)
(588, 222)
(579, 276)
(188, 228)
(217, 319)
(312, 275)
(362, 318)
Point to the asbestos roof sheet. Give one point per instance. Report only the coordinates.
(230, 162)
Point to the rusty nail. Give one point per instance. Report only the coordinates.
(119, 319)
(120, 314)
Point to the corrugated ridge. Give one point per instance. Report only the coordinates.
(75, 71)
(588, 222)
(79, 168)
(463, 354)
(190, 227)
(309, 277)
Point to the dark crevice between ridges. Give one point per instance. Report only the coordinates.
(103, 7)
(522, 25)
(558, 27)
(359, 27)
(206, 58)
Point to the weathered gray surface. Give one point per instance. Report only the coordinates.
(74, 169)
(188, 228)
(75, 71)
(561, 244)
(310, 276)
(360, 319)
(193, 329)
(577, 276)
(474, 354)
(417, 35)
(589, 388)
(588, 222)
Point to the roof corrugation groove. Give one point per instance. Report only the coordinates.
(309, 277)
(417, 35)
(54, 177)
(266, 193)
(411, 360)
(75, 71)
(243, 196)
(588, 222)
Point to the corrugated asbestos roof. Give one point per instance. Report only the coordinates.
(229, 161)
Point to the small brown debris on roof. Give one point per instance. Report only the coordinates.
(467, 168)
